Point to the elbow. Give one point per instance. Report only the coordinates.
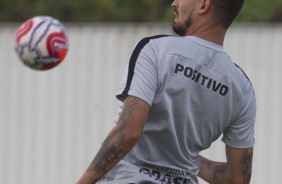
(134, 133)
(133, 136)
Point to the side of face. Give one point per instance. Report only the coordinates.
(191, 15)
(184, 13)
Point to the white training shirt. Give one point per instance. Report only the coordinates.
(196, 94)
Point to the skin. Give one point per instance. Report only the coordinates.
(195, 18)
(120, 140)
(237, 169)
(192, 18)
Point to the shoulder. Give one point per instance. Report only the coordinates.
(159, 45)
(247, 90)
(144, 41)
(148, 45)
(242, 80)
(154, 37)
(239, 80)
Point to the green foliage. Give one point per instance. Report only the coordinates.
(116, 10)
(259, 10)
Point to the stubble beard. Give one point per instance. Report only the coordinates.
(181, 29)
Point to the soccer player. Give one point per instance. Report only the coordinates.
(179, 94)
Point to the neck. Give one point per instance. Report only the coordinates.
(211, 33)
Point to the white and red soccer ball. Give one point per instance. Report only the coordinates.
(41, 42)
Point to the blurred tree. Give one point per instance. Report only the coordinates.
(116, 10)
(257, 11)
(277, 14)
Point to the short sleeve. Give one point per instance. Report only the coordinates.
(240, 134)
(140, 78)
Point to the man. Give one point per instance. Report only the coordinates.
(179, 95)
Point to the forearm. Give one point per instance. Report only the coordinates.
(120, 140)
(113, 149)
(213, 172)
(237, 170)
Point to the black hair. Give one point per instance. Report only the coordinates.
(225, 11)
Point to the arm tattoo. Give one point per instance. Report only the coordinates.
(247, 158)
(241, 168)
(114, 146)
(219, 169)
(216, 168)
(246, 167)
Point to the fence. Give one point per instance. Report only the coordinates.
(52, 123)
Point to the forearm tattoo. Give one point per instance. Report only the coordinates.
(114, 146)
(247, 165)
(219, 169)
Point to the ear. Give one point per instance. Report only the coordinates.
(204, 6)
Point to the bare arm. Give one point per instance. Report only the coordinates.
(237, 170)
(120, 140)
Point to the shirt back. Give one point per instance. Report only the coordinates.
(196, 94)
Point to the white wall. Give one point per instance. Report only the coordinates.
(52, 122)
